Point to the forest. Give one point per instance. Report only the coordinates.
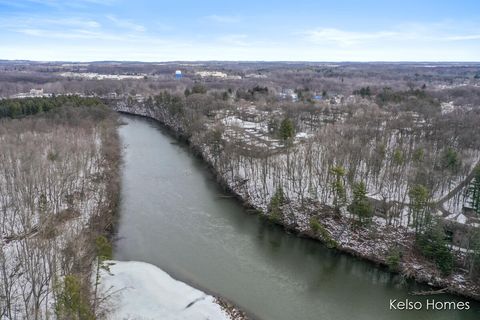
(58, 194)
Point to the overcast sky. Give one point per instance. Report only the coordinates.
(299, 30)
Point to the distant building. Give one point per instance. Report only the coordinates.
(288, 94)
(317, 97)
(178, 74)
(33, 93)
(112, 95)
(36, 92)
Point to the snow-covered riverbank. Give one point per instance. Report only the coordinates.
(142, 291)
(373, 243)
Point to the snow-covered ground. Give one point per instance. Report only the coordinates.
(143, 291)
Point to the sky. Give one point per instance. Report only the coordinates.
(247, 30)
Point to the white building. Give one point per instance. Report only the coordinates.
(36, 92)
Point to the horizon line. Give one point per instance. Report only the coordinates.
(246, 61)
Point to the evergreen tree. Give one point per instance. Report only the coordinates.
(419, 208)
(398, 157)
(473, 191)
(225, 96)
(199, 89)
(338, 187)
(72, 302)
(363, 92)
(104, 252)
(287, 131)
(361, 206)
(276, 202)
(474, 253)
(433, 245)
(16, 108)
(451, 160)
(418, 155)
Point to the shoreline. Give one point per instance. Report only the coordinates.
(415, 269)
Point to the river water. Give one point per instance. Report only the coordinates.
(174, 216)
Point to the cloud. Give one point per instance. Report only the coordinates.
(71, 22)
(463, 37)
(346, 38)
(64, 28)
(32, 22)
(71, 34)
(31, 32)
(437, 32)
(126, 24)
(223, 18)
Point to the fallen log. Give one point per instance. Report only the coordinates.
(429, 292)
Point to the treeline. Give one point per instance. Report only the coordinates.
(17, 108)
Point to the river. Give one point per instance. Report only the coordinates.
(174, 215)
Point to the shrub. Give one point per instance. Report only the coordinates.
(72, 301)
(315, 225)
(277, 201)
(320, 230)
(393, 259)
(398, 157)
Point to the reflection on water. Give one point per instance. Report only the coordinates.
(172, 216)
